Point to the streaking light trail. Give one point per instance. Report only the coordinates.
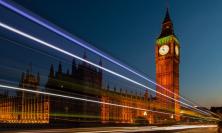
(141, 129)
(41, 52)
(3, 81)
(78, 98)
(39, 41)
(46, 54)
(80, 43)
(89, 100)
(121, 129)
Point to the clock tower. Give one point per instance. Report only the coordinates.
(167, 53)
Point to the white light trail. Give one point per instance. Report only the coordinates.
(94, 101)
(39, 41)
(139, 129)
(123, 129)
(21, 45)
(80, 43)
(3, 81)
(77, 98)
(63, 92)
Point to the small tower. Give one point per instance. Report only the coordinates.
(60, 71)
(51, 73)
(146, 95)
(38, 78)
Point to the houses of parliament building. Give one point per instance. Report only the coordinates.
(86, 82)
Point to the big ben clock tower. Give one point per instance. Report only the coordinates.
(167, 53)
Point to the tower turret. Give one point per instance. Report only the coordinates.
(60, 71)
(51, 73)
(167, 26)
(38, 78)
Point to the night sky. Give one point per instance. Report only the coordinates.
(127, 30)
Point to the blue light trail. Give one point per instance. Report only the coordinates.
(5, 26)
(94, 101)
(82, 44)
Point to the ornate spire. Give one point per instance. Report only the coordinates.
(51, 73)
(167, 17)
(167, 26)
(22, 78)
(60, 68)
(38, 78)
(146, 94)
(30, 67)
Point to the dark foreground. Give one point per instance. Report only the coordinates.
(150, 129)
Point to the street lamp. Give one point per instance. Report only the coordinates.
(172, 116)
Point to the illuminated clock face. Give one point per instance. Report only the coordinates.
(164, 50)
(177, 50)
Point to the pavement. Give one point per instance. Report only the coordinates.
(201, 130)
(149, 129)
